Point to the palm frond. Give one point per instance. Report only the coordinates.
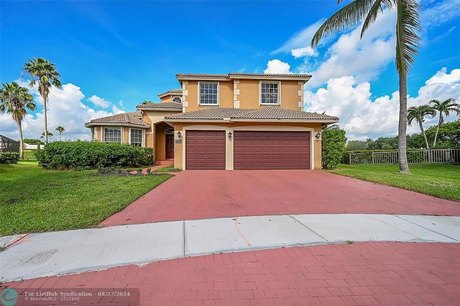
(347, 16)
(378, 7)
(407, 33)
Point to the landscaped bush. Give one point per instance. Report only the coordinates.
(91, 155)
(9, 157)
(333, 146)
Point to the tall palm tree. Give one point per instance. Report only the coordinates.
(418, 114)
(407, 42)
(61, 130)
(45, 74)
(444, 108)
(15, 100)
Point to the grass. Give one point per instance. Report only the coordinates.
(167, 169)
(37, 200)
(439, 180)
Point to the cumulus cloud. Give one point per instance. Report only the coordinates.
(363, 117)
(277, 66)
(65, 108)
(98, 101)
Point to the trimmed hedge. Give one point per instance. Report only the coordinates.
(9, 157)
(92, 155)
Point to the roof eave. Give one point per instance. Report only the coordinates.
(92, 124)
(160, 109)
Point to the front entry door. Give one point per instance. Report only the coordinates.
(169, 146)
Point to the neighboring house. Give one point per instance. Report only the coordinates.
(225, 121)
(8, 144)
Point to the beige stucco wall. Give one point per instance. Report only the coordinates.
(157, 142)
(247, 93)
(179, 148)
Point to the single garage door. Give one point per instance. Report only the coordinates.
(271, 150)
(205, 150)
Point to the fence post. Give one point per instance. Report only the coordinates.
(428, 151)
(349, 158)
(373, 158)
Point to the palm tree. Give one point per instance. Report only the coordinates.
(44, 133)
(15, 100)
(418, 114)
(61, 130)
(443, 108)
(45, 74)
(407, 42)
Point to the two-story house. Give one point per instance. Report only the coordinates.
(225, 121)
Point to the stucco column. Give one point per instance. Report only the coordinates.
(229, 149)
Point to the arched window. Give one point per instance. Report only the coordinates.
(177, 99)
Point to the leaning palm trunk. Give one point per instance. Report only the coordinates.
(402, 141)
(424, 134)
(437, 130)
(21, 141)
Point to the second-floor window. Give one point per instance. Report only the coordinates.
(209, 93)
(136, 137)
(269, 93)
(112, 135)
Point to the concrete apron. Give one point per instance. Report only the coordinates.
(57, 253)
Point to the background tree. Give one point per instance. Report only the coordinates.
(61, 130)
(418, 114)
(407, 42)
(44, 134)
(15, 100)
(334, 141)
(45, 74)
(444, 108)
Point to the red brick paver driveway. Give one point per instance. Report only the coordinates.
(358, 274)
(210, 194)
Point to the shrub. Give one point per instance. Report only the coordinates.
(9, 157)
(92, 155)
(333, 146)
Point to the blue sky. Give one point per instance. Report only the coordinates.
(115, 54)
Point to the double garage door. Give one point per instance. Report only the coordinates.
(251, 150)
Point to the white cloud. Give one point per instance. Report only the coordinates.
(98, 101)
(362, 117)
(276, 66)
(364, 58)
(117, 110)
(65, 108)
(304, 52)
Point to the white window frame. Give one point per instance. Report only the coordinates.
(143, 136)
(279, 92)
(112, 128)
(218, 94)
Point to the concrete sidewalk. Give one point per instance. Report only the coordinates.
(56, 253)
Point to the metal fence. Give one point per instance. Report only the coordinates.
(413, 156)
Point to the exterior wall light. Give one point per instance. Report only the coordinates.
(318, 135)
(179, 135)
(230, 135)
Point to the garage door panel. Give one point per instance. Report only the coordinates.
(271, 150)
(205, 150)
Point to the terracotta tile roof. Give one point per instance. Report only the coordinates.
(263, 113)
(230, 76)
(133, 119)
(171, 92)
(163, 106)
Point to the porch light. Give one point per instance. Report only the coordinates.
(318, 135)
(179, 135)
(230, 135)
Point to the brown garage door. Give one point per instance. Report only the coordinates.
(205, 150)
(271, 150)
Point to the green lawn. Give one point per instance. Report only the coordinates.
(439, 180)
(37, 200)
